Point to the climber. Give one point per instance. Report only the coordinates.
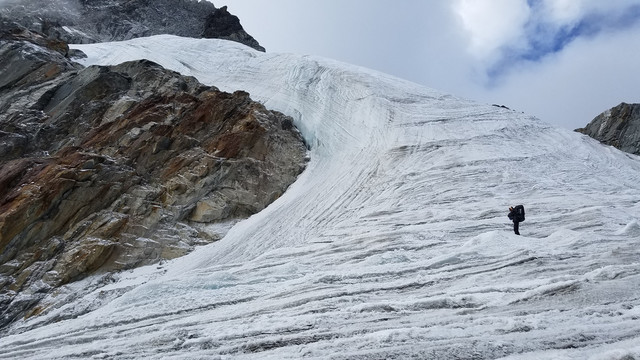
(516, 214)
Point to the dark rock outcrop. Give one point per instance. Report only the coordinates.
(220, 24)
(90, 21)
(618, 127)
(109, 168)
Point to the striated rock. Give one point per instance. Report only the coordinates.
(12, 31)
(90, 21)
(109, 168)
(618, 127)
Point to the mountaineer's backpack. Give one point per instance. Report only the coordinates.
(519, 212)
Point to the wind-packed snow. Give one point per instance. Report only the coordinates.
(393, 244)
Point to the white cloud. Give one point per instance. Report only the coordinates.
(492, 23)
(571, 87)
(558, 13)
(563, 11)
(570, 10)
(506, 33)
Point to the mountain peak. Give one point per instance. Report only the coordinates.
(91, 21)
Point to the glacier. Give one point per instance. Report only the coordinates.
(394, 243)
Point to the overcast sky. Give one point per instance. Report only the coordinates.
(564, 61)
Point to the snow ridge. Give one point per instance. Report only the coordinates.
(394, 243)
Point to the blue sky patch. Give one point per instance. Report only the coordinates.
(544, 38)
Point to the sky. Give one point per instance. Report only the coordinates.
(563, 61)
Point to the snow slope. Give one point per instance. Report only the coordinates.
(394, 243)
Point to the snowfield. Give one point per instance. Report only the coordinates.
(393, 244)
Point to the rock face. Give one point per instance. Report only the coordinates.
(618, 127)
(109, 168)
(89, 21)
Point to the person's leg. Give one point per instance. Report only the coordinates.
(515, 227)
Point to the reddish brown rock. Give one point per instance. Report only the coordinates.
(108, 168)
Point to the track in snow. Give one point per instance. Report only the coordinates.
(394, 243)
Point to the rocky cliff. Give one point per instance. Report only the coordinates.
(109, 168)
(89, 21)
(618, 126)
